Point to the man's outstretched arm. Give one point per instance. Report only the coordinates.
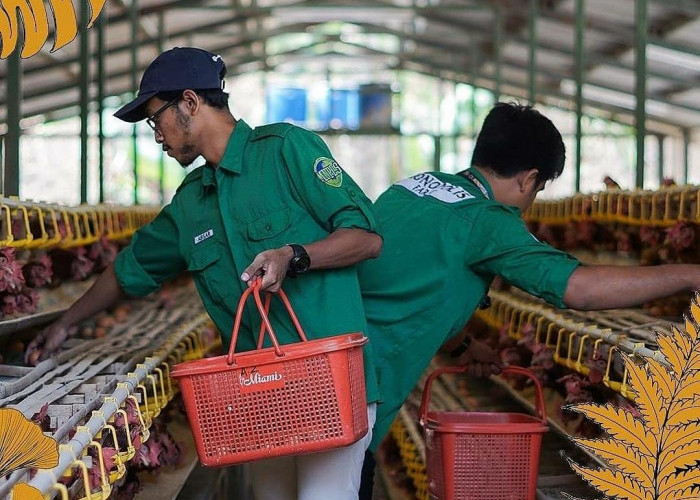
(612, 287)
(104, 293)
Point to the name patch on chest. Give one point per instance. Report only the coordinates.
(204, 236)
(428, 185)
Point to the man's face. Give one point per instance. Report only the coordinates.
(172, 129)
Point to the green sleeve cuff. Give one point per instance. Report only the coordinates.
(559, 278)
(132, 277)
(359, 213)
(354, 219)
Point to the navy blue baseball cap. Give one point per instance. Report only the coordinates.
(179, 68)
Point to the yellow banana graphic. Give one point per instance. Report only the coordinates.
(33, 14)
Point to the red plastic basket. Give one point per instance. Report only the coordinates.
(482, 455)
(282, 400)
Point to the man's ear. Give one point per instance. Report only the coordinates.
(527, 180)
(191, 100)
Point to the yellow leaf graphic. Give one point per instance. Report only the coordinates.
(8, 43)
(694, 361)
(651, 404)
(620, 425)
(22, 491)
(669, 402)
(690, 390)
(682, 458)
(678, 437)
(688, 413)
(36, 26)
(667, 383)
(623, 458)
(669, 348)
(689, 494)
(95, 8)
(674, 487)
(22, 444)
(65, 22)
(613, 483)
(692, 330)
(683, 339)
(33, 16)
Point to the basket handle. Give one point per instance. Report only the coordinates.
(507, 370)
(263, 325)
(264, 315)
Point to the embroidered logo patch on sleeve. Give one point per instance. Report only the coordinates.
(328, 171)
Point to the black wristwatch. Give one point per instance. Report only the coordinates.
(300, 261)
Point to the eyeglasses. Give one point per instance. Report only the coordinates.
(152, 120)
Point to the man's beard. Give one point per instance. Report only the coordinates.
(188, 151)
(188, 156)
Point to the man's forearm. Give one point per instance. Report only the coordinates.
(611, 287)
(341, 248)
(344, 247)
(104, 293)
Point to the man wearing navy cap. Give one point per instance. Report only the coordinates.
(269, 202)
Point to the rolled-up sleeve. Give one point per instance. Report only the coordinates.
(151, 258)
(508, 249)
(323, 187)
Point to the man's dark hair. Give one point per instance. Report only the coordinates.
(516, 138)
(216, 98)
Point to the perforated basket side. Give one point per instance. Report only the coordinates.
(358, 397)
(305, 409)
(484, 466)
(434, 466)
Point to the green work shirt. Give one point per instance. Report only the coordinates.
(276, 184)
(444, 241)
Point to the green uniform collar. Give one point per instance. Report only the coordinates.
(236, 145)
(231, 160)
(485, 185)
(208, 177)
(483, 180)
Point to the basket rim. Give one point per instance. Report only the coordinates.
(530, 425)
(267, 355)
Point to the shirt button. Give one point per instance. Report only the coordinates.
(268, 227)
(351, 193)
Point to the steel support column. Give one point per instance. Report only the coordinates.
(640, 90)
(438, 137)
(686, 155)
(161, 159)
(474, 73)
(437, 152)
(498, 12)
(84, 97)
(660, 140)
(101, 56)
(10, 176)
(579, 57)
(134, 19)
(532, 60)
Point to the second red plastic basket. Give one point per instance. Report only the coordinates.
(282, 400)
(482, 455)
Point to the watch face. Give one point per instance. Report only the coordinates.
(301, 263)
